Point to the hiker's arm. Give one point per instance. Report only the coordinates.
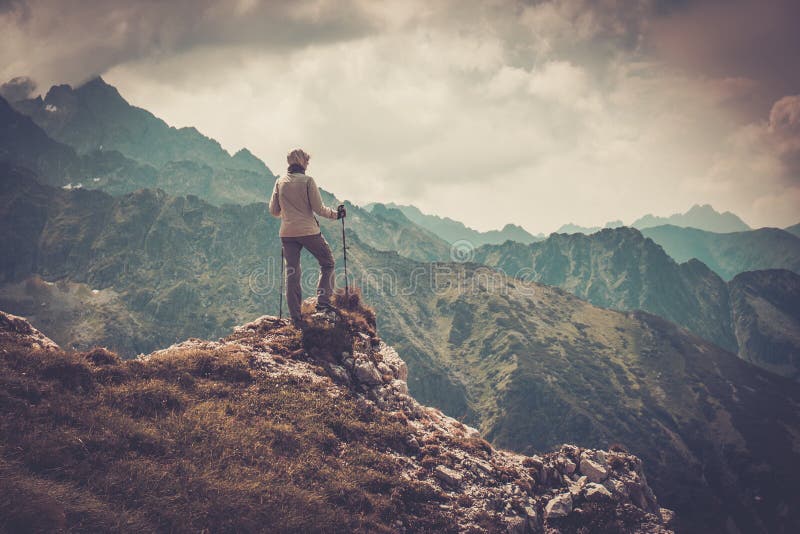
(274, 204)
(316, 201)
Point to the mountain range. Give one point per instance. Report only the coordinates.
(451, 230)
(622, 269)
(730, 253)
(531, 365)
(702, 217)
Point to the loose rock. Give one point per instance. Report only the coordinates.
(559, 506)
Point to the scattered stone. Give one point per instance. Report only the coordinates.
(567, 465)
(366, 373)
(516, 525)
(448, 476)
(593, 470)
(339, 374)
(667, 516)
(596, 492)
(400, 386)
(558, 506)
(533, 517)
(385, 369)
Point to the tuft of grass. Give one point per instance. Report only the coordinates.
(359, 315)
(101, 356)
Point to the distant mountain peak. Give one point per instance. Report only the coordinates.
(451, 230)
(96, 117)
(700, 216)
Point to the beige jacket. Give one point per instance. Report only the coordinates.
(295, 200)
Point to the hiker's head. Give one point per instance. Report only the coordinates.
(298, 157)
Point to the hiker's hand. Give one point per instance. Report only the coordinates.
(341, 212)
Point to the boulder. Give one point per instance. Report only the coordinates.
(593, 470)
(596, 492)
(391, 358)
(400, 386)
(366, 373)
(339, 374)
(567, 465)
(558, 506)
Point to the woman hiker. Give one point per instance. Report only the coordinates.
(295, 200)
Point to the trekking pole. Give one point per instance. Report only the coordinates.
(344, 249)
(280, 306)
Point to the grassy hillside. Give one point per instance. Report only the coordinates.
(620, 268)
(766, 311)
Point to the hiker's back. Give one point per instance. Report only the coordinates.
(297, 215)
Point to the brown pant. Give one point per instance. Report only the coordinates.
(317, 246)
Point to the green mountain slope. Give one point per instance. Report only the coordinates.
(121, 149)
(538, 365)
(25, 144)
(731, 253)
(391, 230)
(95, 116)
(94, 119)
(626, 270)
(766, 312)
(621, 269)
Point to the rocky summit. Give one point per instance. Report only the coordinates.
(273, 426)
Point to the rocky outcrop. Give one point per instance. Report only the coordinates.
(17, 331)
(568, 488)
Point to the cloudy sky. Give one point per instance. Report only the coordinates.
(538, 113)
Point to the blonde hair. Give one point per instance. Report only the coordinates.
(298, 156)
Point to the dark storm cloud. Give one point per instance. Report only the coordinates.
(784, 126)
(90, 37)
(754, 39)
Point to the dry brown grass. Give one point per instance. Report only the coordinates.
(193, 440)
(357, 313)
